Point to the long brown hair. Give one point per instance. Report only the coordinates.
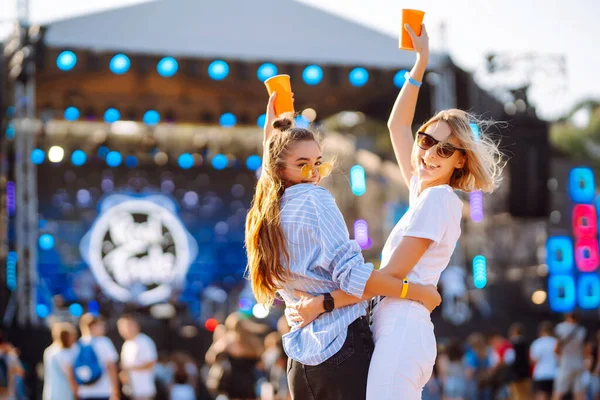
(265, 240)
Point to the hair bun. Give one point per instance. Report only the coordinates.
(283, 124)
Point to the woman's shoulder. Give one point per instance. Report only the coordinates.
(443, 194)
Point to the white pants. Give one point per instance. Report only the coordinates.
(405, 350)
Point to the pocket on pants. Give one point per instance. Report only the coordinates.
(428, 350)
(345, 352)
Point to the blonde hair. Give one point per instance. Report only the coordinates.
(484, 162)
(265, 241)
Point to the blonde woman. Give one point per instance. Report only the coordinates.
(444, 156)
(296, 239)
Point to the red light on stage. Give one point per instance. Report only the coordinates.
(211, 324)
(586, 254)
(585, 221)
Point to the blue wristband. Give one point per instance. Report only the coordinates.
(411, 80)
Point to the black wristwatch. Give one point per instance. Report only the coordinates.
(328, 303)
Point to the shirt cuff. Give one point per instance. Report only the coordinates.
(358, 279)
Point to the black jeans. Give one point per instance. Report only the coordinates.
(343, 376)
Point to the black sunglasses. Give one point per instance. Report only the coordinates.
(444, 150)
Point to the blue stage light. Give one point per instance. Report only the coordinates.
(42, 311)
(260, 121)
(588, 291)
(220, 161)
(11, 270)
(266, 71)
(76, 310)
(11, 111)
(66, 60)
(301, 122)
(167, 67)
(78, 158)
(358, 180)
(103, 151)
(218, 70)
(582, 186)
(399, 78)
(46, 241)
(38, 156)
(479, 271)
(559, 254)
(131, 161)
(112, 115)
(119, 64)
(476, 131)
(227, 120)
(561, 293)
(358, 77)
(253, 162)
(10, 131)
(185, 161)
(312, 75)
(114, 159)
(93, 307)
(151, 117)
(72, 114)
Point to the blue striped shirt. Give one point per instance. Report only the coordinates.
(322, 259)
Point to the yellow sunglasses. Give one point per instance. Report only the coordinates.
(307, 171)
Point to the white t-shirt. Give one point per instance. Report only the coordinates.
(542, 353)
(106, 353)
(571, 357)
(56, 383)
(136, 352)
(435, 214)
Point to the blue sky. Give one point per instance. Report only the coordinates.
(514, 28)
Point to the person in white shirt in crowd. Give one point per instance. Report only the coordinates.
(138, 357)
(571, 368)
(543, 357)
(93, 331)
(58, 358)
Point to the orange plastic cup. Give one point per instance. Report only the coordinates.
(414, 18)
(281, 85)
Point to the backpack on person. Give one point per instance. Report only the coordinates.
(86, 366)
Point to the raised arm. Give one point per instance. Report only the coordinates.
(403, 112)
(272, 116)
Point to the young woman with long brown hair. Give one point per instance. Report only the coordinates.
(296, 239)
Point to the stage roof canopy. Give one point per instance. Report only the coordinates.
(270, 30)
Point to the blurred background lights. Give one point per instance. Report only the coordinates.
(190, 199)
(112, 115)
(399, 78)
(72, 113)
(37, 156)
(42, 310)
(220, 161)
(66, 60)
(211, 324)
(11, 270)
(358, 180)
(185, 161)
(46, 241)
(161, 158)
(103, 151)
(479, 272)
(309, 114)
(151, 117)
(218, 70)
(76, 310)
(476, 205)
(84, 197)
(227, 120)
(475, 129)
(114, 159)
(78, 158)
(253, 162)
(245, 304)
(266, 71)
(539, 297)
(312, 75)
(361, 233)
(167, 67)
(56, 154)
(260, 311)
(11, 131)
(131, 161)
(260, 121)
(119, 64)
(301, 122)
(358, 77)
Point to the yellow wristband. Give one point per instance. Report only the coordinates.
(404, 288)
